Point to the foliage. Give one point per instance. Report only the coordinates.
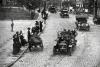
(30, 4)
(65, 3)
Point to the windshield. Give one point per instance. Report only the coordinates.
(64, 11)
(81, 19)
(52, 8)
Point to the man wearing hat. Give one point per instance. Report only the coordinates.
(41, 25)
(29, 34)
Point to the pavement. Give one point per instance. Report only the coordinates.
(86, 54)
(6, 35)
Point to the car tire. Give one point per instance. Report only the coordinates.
(54, 51)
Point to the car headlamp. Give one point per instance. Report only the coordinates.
(82, 24)
(79, 24)
(86, 24)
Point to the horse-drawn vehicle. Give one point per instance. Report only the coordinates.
(35, 41)
(65, 44)
(81, 23)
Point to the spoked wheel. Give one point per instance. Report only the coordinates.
(54, 51)
(77, 27)
(41, 46)
(66, 52)
(67, 16)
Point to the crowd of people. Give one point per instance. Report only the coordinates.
(19, 40)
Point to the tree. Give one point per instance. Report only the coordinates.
(30, 4)
(91, 6)
(65, 4)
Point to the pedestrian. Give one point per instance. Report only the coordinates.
(41, 25)
(16, 43)
(32, 14)
(39, 10)
(23, 41)
(37, 23)
(37, 27)
(12, 25)
(33, 30)
(29, 34)
(42, 12)
(18, 39)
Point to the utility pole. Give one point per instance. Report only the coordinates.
(61, 4)
(44, 3)
(75, 6)
(95, 8)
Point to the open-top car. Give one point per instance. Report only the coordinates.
(64, 13)
(65, 44)
(81, 23)
(36, 42)
(52, 9)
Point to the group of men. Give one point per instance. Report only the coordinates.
(18, 38)
(36, 29)
(18, 42)
(66, 36)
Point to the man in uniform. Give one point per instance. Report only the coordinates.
(37, 25)
(41, 25)
(33, 30)
(12, 25)
(43, 12)
(23, 41)
(74, 33)
(16, 43)
(29, 34)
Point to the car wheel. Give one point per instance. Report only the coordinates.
(70, 50)
(54, 51)
(88, 29)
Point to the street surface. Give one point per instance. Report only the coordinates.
(86, 54)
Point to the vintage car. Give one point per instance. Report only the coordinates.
(81, 23)
(65, 44)
(52, 9)
(96, 20)
(36, 42)
(64, 13)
